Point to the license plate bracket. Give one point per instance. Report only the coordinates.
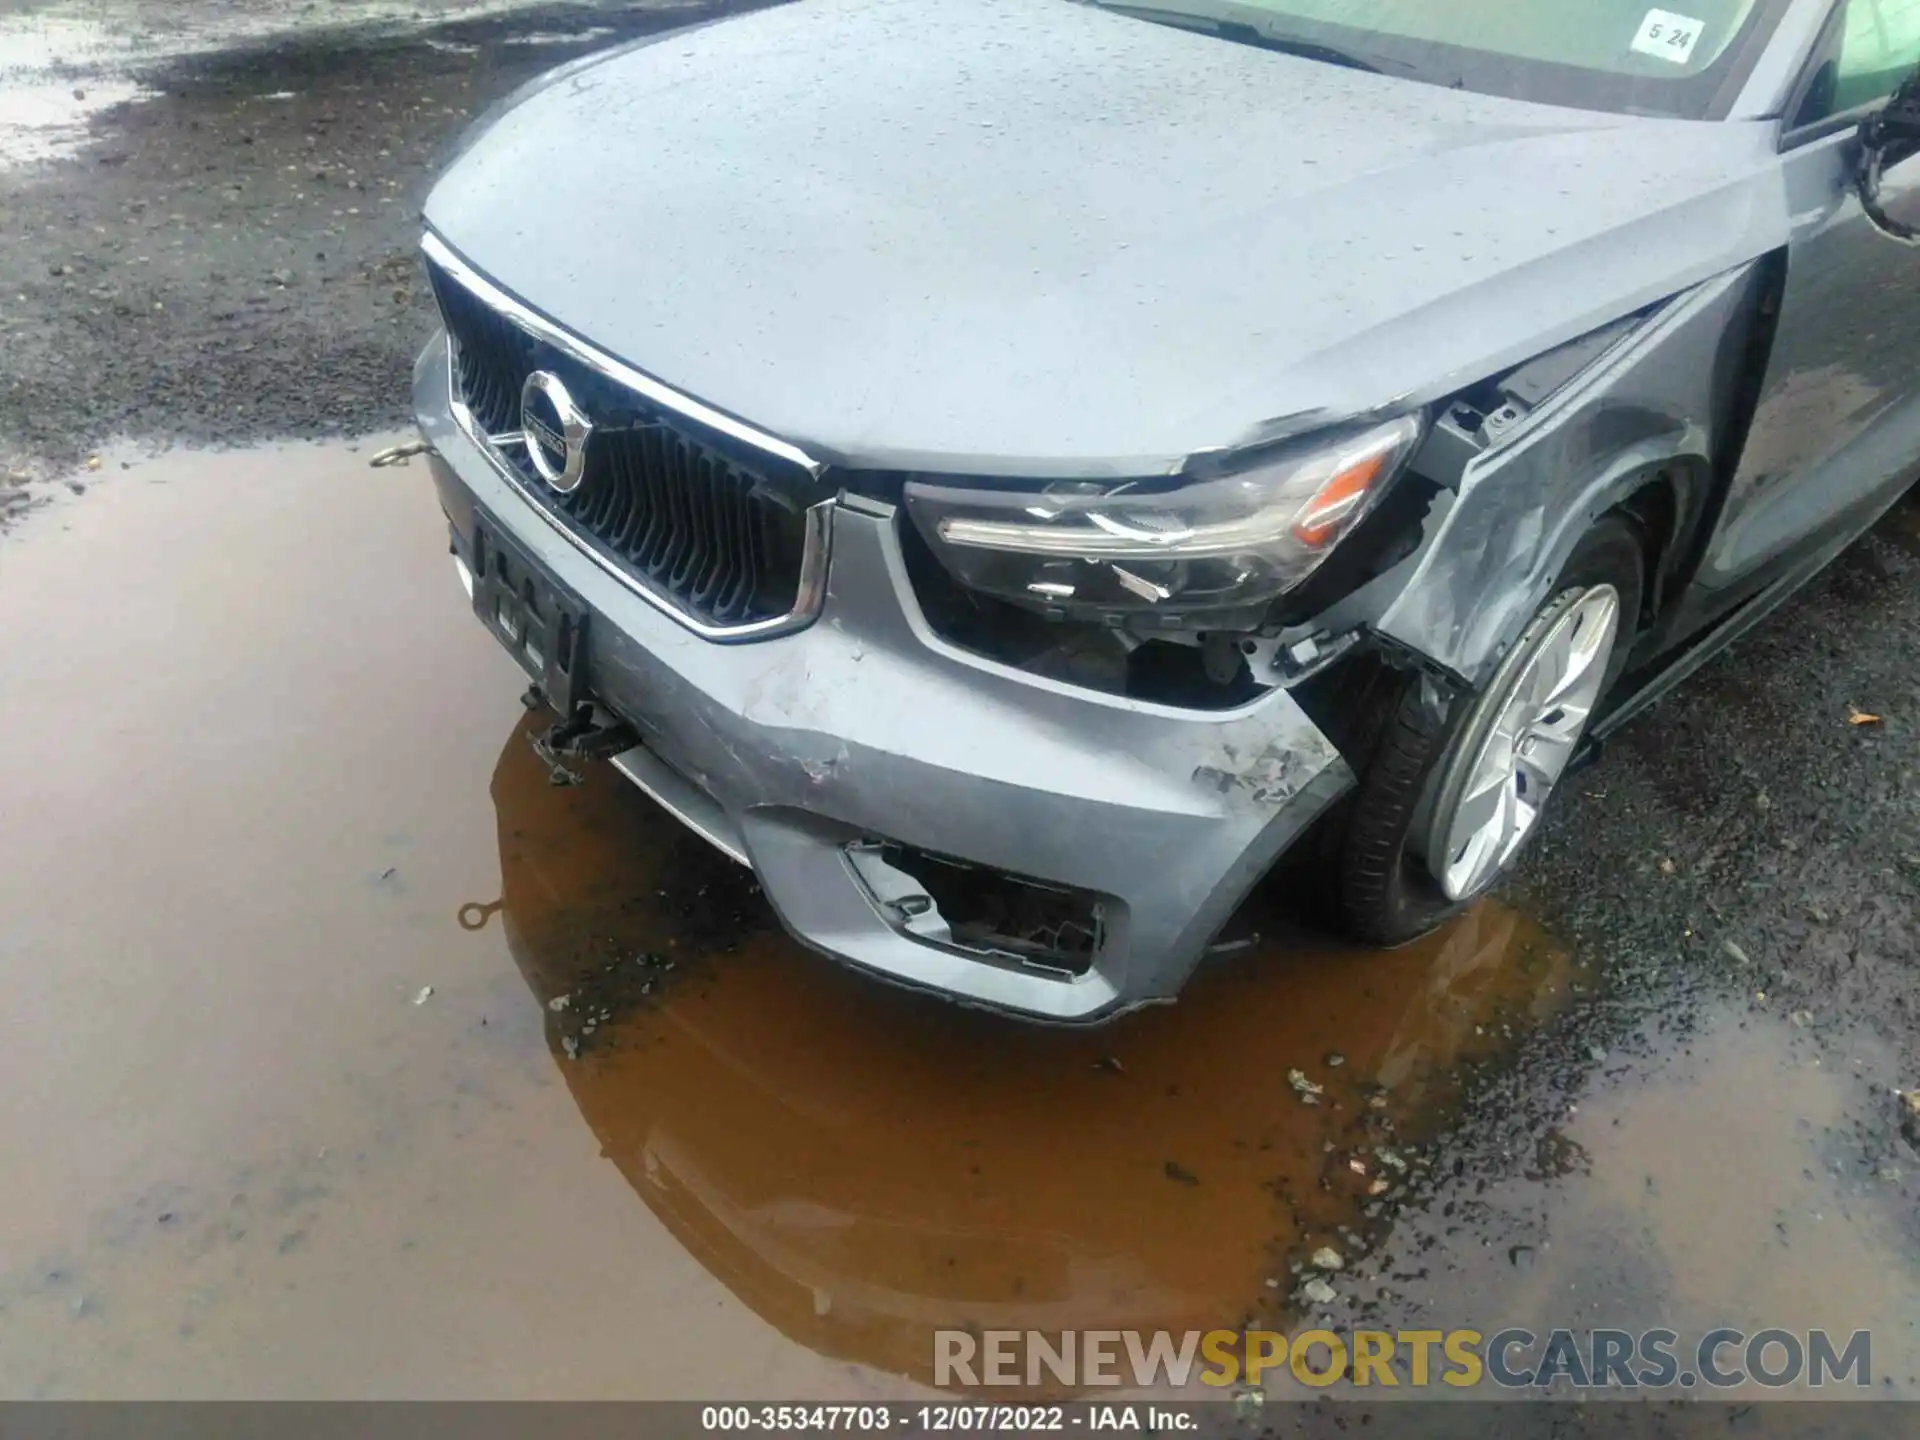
(541, 622)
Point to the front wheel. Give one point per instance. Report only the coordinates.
(1449, 796)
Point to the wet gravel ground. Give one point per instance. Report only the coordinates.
(1757, 835)
(232, 258)
(1743, 861)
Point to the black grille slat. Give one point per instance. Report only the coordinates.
(742, 593)
(684, 513)
(727, 597)
(750, 548)
(725, 502)
(634, 516)
(651, 532)
(687, 575)
(773, 565)
(713, 562)
(678, 537)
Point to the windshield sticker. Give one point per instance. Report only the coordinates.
(1667, 36)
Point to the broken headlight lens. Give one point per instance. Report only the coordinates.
(1171, 547)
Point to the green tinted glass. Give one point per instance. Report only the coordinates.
(1880, 45)
(1626, 37)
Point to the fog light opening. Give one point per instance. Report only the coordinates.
(1009, 919)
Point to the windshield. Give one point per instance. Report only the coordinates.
(1620, 55)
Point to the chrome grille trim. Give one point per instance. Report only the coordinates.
(817, 523)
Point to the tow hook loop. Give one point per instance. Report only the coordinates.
(399, 454)
(579, 736)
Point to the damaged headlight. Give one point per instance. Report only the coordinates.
(1168, 547)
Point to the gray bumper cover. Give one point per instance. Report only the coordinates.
(867, 725)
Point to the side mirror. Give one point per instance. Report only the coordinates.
(1895, 125)
(1888, 136)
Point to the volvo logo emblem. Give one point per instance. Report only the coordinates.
(554, 430)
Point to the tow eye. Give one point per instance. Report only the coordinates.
(399, 454)
(903, 898)
(579, 736)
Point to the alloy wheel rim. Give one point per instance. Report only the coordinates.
(1540, 714)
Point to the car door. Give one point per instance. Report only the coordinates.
(1836, 432)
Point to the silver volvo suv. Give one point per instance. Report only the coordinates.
(1009, 471)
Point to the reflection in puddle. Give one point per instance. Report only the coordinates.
(257, 1167)
(863, 1166)
(249, 822)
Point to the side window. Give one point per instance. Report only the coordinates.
(1879, 46)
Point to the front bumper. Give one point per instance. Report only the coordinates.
(867, 726)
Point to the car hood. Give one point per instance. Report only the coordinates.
(1035, 236)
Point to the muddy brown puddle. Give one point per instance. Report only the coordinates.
(343, 1054)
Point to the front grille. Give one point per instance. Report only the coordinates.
(699, 519)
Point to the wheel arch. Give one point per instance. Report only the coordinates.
(1664, 505)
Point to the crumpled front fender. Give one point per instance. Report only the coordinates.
(1654, 402)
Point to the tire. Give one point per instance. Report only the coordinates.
(1383, 891)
